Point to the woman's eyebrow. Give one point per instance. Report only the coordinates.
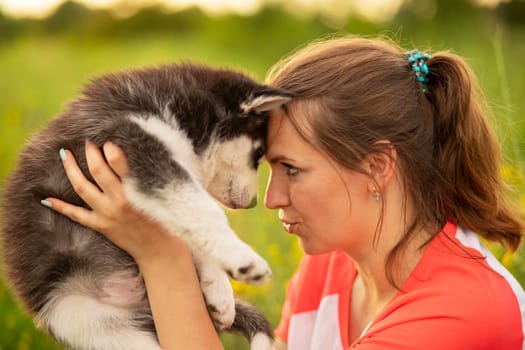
(272, 159)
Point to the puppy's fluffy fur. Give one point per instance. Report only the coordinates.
(188, 132)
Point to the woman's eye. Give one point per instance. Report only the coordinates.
(290, 170)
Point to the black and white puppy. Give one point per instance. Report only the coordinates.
(188, 132)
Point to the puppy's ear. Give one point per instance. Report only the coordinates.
(265, 99)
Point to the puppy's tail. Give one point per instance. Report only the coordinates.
(253, 325)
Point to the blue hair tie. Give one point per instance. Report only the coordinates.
(418, 63)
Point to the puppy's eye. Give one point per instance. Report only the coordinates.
(258, 153)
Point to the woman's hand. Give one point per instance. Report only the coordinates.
(111, 214)
(165, 260)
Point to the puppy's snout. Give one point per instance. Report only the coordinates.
(243, 201)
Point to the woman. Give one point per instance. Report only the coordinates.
(386, 169)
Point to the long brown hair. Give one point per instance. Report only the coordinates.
(361, 91)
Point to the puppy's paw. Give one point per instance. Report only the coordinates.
(248, 267)
(218, 294)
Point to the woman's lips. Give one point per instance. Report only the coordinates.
(290, 227)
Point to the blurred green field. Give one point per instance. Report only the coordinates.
(41, 69)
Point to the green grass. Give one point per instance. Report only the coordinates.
(39, 74)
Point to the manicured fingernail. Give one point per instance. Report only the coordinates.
(62, 154)
(46, 203)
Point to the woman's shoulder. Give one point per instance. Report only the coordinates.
(458, 255)
(458, 297)
(460, 283)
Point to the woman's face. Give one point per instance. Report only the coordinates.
(327, 206)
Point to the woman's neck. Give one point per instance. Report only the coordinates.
(373, 289)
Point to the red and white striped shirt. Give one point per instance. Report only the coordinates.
(459, 297)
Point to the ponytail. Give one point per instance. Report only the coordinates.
(468, 154)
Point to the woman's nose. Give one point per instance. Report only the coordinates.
(276, 194)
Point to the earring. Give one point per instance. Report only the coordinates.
(376, 195)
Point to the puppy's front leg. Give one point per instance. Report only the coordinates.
(189, 212)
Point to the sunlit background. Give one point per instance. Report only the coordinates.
(50, 49)
(374, 9)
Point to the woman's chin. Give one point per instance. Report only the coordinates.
(312, 249)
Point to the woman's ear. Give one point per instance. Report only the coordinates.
(381, 164)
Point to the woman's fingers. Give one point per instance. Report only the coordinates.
(78, 214)
(103, 175)
(82, 186)
(111, 214)
(116, 159)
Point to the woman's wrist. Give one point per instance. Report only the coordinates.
(166, 253)
(174, 294)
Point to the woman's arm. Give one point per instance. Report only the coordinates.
(177, 304)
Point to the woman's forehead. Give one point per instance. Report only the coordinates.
(301, 114)
(284, 140)
(278, 128)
